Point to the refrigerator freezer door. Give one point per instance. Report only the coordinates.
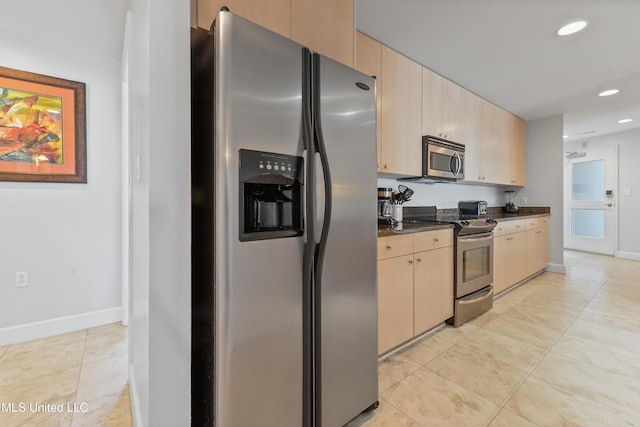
(258, 376)
(347, 327)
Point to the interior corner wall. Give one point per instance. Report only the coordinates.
(66, 236)
(628, 144)
(544, 177)
(160, 322)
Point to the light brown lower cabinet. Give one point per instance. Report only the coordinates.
(537, 243)
(415, 289)
(520, 250)
(395, 302)
(508, 255)
(433, 288)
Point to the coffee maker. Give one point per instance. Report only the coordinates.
(385, 197)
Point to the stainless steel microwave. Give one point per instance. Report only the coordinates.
(442, 160)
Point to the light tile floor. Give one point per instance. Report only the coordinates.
(83, 373)
(560, 350)
(557, 351)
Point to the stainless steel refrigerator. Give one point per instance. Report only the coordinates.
(284, 232)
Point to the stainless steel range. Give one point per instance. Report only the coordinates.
(473, 265)
(473, 273)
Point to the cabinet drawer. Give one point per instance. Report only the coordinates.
(531, 223)
(508, 227)
(393, 246)
(432, 240)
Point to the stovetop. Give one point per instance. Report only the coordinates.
(463, 224)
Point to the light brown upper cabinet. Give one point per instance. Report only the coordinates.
(274, 14)
(326, 27)
(368, 60)
(445, 108)
(401, 91)
(516, 144)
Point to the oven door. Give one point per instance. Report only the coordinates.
(474, 263)
(444, 162)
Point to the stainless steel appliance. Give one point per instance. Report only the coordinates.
(472, 208)
(473, 265)
(473, 275)
(442, 161)
(284, 234)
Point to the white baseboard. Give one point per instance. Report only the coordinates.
(134, 399)
(60, 325)
(556, 268)
(628, 255)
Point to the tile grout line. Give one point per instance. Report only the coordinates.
(75, 395)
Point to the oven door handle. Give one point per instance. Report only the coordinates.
(472, 238)
(486, 294)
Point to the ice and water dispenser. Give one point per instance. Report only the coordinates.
(271, 190)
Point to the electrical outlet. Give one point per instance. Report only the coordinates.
(523, 201)
(22, 279)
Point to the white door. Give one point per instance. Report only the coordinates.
(590, 200)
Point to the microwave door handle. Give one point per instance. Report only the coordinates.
(457, 156)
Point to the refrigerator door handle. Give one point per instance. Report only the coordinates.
(308, 349)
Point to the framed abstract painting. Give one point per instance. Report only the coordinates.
(42, 128)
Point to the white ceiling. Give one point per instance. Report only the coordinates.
(507, 51)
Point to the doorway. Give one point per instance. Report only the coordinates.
(591, 193)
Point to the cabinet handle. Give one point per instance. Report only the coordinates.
(410, 261)
(539, 232)
(386, 166)
(435, 240)
(517, 226)
(378, 165)
(419, 260)
(513, 181)
(388, 247)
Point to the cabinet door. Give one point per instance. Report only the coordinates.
(274, 14)
(537, 243)
(516, 173)
(368, 60)
(401, 114)
(432, 108)
(326, 27)
(454, 120)
(395, 302)
(433, 288)
(508, 261)
(473, 139)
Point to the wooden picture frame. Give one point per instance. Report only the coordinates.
(42, 128)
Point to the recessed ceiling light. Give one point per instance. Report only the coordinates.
(609, 92)
(625, 120)
(565, 136)
(571, 28)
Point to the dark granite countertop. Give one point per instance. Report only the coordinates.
(406, 228)
(495, 213)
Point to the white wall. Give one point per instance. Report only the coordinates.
(628, 177)
(66, 236)
(446, 196)
(544, 177)
(160, 323)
